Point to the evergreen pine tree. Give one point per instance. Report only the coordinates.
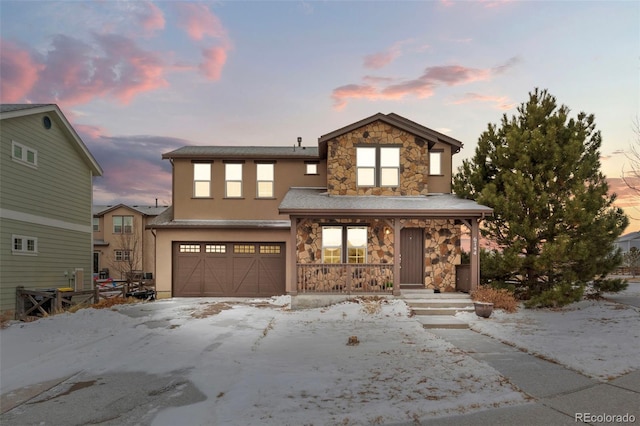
(540, 172)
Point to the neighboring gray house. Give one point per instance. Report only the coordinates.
(628, 241)
(46, 187)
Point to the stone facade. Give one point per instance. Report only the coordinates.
(414, 161)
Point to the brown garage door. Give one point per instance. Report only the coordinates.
(228, 269)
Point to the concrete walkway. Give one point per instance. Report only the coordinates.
(559, 394)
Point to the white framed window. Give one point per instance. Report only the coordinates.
(233, 180)
(202, 180)
(123, 255)
(21, 244)
(377, 166)
(96, 224)
(336, 238)
(389, 166)
(122, 224)
(311, 168)
(24, 154)
(366, 166)
(265, 177)
(435, 162)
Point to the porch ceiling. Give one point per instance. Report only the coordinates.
(317, 201)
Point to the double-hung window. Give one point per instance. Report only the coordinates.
(24, 154)
(344, 244)
(233, 180)
(377, 166)
(264, 177)
(122, 224)
(202, 180)
(24, 245)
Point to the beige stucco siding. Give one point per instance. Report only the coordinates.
(166, 237)
(287, 173)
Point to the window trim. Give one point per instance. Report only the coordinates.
(197, 181)
(122, 225)
(272, 181)
(377, 168)
(440, 153)
(24, 245)
(124, 255)
(24, 157)
(228, 181)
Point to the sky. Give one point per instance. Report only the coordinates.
(140, 78)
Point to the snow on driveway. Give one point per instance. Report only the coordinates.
(260, 363)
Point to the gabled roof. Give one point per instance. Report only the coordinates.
(8, 111)
(231, 152)
(144, 210)
(317, 201)
(393, 120)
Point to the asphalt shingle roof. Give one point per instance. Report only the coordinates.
(243, 152)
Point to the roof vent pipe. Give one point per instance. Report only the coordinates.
(299, 141)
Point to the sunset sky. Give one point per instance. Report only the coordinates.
(139, 78)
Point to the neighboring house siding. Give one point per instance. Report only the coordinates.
(59, 188)
(59, 251)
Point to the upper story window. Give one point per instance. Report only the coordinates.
(233, 180)
(336, 238)
(265, 177)
(122, 255)
(435, 162)
(378, 166)
(122, 224)
(96, 224)
(202, 180)
(311, 168)
(24, 154)
(24, 245)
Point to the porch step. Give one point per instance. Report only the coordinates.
(441, 321)
(439, 303)
(440, 311)
(429, 294)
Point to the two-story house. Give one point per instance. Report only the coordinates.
(368, 210)
(46, 187)
(121, 240)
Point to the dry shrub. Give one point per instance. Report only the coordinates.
(5, 318)
(104, 303)
(500, 297)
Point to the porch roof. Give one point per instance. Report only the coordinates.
(166, 220)
(318, 202)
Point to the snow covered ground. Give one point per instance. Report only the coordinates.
(257, 362)
(600, 339)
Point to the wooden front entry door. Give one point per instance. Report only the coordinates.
(412, 254)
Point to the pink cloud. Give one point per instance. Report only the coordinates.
(422, 87)
(74, 72)
(19, 72)
(214, 59)
(379, 60)
(150, 17)
(501, 102)
(198, 21)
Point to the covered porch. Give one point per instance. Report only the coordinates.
(379, 244)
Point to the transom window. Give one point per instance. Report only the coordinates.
(233, 180)
(189, 248)
(122, 224)
(378, 166)
(336, 238)
(24, 154)
(202, 180)
(244, 248)
(215, 248)
(24, 245)
(269, 249)
(264, 184)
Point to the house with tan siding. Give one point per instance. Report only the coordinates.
(368, 210)
(46, 185)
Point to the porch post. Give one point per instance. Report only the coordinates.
(293, 257)
(475, 255)
(396, 256)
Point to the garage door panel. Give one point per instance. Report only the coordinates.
(229, 269)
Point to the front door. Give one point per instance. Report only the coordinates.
(412, 256)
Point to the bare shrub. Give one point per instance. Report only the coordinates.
(500, 297)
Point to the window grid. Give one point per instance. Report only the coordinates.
(269, 249)
(96, 224)
(123, 255)
(215, 248)
(189, 248)
(244, 248)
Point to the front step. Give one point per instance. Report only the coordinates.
(441, 321)
(440, 311)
